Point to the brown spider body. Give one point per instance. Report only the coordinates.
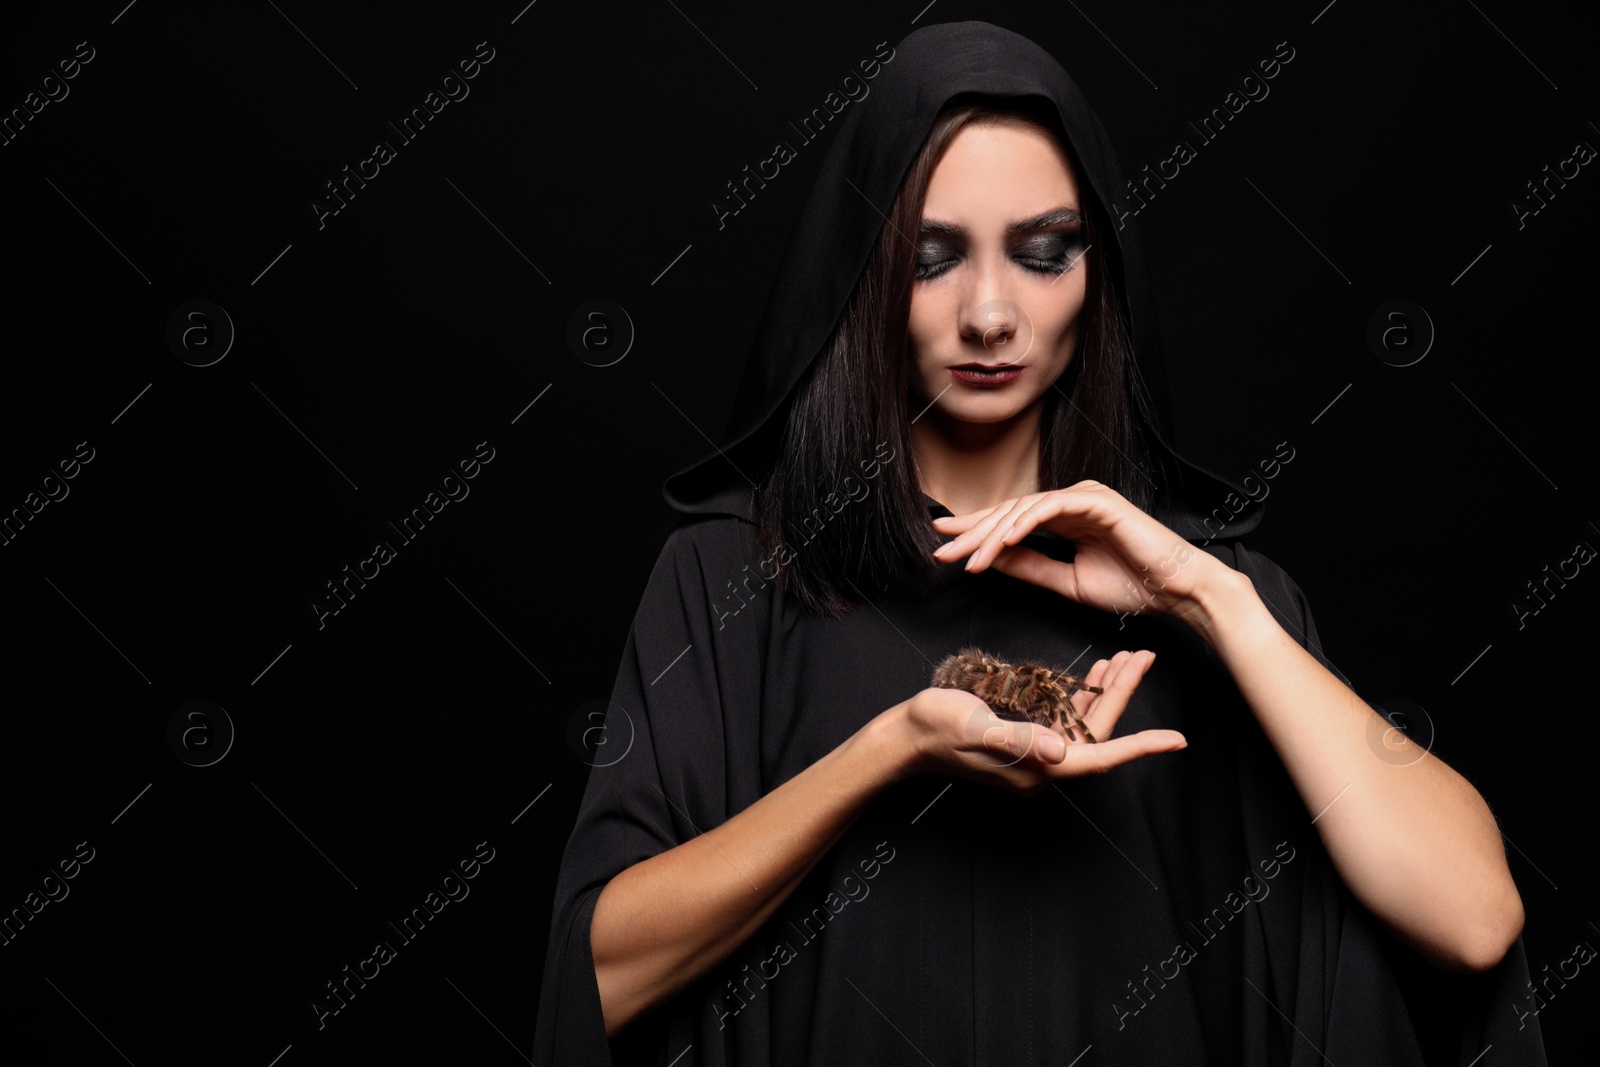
(1031, 691)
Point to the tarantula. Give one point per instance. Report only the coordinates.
(1025, 690)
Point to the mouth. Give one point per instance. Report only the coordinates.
(986, 373)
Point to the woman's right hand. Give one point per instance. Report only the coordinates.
(951, 731)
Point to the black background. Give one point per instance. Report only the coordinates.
(375, 351)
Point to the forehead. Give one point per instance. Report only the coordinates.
(1000, 172)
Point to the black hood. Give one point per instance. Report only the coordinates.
(873, 148)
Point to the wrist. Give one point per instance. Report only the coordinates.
(1222, 598)
(889, 743)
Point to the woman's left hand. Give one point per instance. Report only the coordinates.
(1126, 562)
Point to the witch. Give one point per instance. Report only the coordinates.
(952, 435)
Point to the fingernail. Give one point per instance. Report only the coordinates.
(1052, 748)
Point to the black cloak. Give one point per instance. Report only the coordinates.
(1180, 909)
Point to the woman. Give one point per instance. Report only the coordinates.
(952, 433)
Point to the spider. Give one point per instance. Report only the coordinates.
(1024, 690)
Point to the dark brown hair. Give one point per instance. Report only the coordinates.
(848, 424)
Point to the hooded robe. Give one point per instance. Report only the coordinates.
(1179, 909)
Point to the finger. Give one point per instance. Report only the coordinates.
(1083, 701)
(1097, 759)
(1100, 674)
(1123, 675)
(1040, 744)
(1030, 515)
(1004, 742)
(973, 536)
(958, 523)
(1083, 508)
(1095, 676)
(1113, 667)
(998, 532)
(1122, 679)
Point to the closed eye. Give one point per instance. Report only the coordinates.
(1043, 254)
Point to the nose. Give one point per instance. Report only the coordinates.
(994, 323)
(989, 317)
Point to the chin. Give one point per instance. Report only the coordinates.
(987, 409)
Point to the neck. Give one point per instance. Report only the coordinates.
(969, 466)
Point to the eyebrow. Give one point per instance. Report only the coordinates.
(1053, 217)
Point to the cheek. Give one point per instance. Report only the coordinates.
(1061, 317)
(921, 329)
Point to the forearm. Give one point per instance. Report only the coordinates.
(1415, 843)
(667, 920)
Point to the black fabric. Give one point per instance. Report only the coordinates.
(955, 923)
(1001, 929)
